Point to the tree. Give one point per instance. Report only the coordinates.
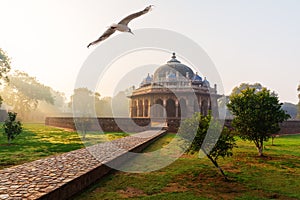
(12, 128)
(83, 104)
(4, 68)
(24, 93)
(257, 115)
(214, 147)
(120, 105)
(298, 106)
(243, 86)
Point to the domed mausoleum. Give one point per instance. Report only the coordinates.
(174, 91)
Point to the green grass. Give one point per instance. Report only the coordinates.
(275, 176)
(38, 141)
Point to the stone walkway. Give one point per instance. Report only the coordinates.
(36, 179)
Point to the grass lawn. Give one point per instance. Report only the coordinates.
(275, 176)
(37, 141)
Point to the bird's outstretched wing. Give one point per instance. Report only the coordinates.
(105, 35)
(127, 19)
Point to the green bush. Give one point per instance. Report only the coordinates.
(12, 128)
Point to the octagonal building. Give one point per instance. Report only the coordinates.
(174, 91)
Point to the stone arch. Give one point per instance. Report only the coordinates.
(204, 107)
(134, 109)
(171, 108)
(159, 111)
(140, 108)
(146, 107)
(196, 106)
(182, 108)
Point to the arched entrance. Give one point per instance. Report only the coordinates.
(134, 109)
(182, 111)
(159, 110)
(196, 106)
(204, 107)
(141, 108)
(171, 108)
(146, 108)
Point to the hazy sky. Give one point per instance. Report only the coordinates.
(249, 41)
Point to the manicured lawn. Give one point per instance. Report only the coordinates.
(37, 141)
(275, 176)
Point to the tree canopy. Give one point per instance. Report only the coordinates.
(257, 114)
(24, 92)
(206, 136)
(4, 65)
(243, 86)
(4, 68)
(298, 106)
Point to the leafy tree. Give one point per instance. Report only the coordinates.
(197, 127)
(243, 86)
(257, 115)
(298, 106)
(82, 101)
(120, 105)
(83, 104)
(24, 93)
(12, 128)
(4, 68)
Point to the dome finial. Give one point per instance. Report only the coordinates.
(174, 55)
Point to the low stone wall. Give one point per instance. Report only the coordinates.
(62, 176)
(141, 124)
(290, 127)
(104, 124)
(286, 127)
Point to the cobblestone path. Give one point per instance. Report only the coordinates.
(35, 179)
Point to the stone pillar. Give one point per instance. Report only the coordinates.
(176, 104)
(149, 107)
(165, 108)
(130, 109)
(137, 108)
(200, 103)
(143, 106)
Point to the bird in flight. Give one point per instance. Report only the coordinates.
(121, 26)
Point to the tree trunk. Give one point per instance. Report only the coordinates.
(217, 166)
(260, 147)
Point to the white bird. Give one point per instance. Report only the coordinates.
(121, 26)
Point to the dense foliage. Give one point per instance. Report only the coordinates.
(4, 68)
(257, 114)
(23, 93)
(12, 128)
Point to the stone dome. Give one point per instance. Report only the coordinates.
(173, 66)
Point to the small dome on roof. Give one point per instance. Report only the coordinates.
(147, 80)
(205, 82)
(197, 77)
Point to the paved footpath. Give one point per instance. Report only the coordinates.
(35, 179)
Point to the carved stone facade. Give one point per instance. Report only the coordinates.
(174, 91)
